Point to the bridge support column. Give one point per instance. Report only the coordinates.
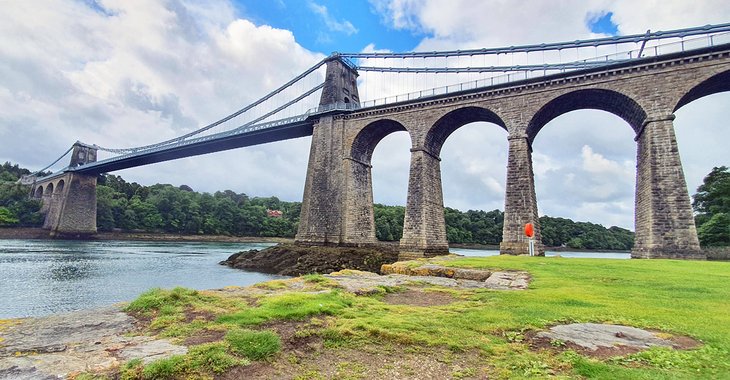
(320, 222)
(359, 216)
(665, 226)
(520, 206)
(72, 211)
(424, 229)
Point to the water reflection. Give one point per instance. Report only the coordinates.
(40, 277)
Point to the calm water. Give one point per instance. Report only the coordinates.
(41, 277)
(585, 255)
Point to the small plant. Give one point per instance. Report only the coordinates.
(272, 285)
(213, 357)
(463, 373)
(315, 278)
(164, 368)
(514, 336)
(557, 343)
(132, 370)
(254, 345)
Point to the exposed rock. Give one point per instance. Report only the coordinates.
(56, 346)
(493, 280)
(365, 282)
(407, 268)
(593, 336)
(151, 350)
(294, 260)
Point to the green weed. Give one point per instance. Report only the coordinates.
(254, 345)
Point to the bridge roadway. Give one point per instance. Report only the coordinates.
(302, 125)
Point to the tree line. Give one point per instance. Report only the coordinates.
(166, 208)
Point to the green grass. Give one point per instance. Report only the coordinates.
(680, 297)
(254, 345)
(291, 306)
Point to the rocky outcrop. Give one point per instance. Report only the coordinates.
(294, 260)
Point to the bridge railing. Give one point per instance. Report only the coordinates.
(518, 73)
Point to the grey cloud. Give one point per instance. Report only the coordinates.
(137, 95)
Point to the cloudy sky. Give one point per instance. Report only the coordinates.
(126, 73)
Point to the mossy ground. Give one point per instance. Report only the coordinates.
(328, 333)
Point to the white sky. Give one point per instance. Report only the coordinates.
(151, 70)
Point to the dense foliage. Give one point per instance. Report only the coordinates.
(485, 227)
(558, 232)
(712, 207)
(166, 208)
(130, 206)
(16, 208)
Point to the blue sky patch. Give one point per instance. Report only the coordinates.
(602, 23)
(329, 25)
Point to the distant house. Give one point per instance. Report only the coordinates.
(274, 213)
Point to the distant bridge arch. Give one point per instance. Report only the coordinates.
(611, 101)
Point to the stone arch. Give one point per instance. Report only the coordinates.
(449, 123)
(49, 189)
(38, 193)
(359, 218)
(368, 138)
(600, 99)
(59, 187)
(716, 83)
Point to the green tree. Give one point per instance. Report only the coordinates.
(7, 218)
(716, 231)
(712, 207)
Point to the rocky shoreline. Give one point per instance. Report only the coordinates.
(296, 260)
(41, 234)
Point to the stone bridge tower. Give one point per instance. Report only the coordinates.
(69, 198)
(324, 206)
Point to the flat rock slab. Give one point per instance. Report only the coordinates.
(362, 282)
(54, 333)
(593, 336)
(57, 346)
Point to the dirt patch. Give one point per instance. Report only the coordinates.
(414, 297)
(255, 370)
(205, 336)
(605, 341)
(292, 337)
(192, 315)
(368, 362)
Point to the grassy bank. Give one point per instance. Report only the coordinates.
(306, 328)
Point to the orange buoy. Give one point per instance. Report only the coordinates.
(529, 230)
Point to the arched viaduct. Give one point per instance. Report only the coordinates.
(338, 201)
(337, 207)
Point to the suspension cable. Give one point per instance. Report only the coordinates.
(678, 33)
(486, 69)
(54, 162)
(289, 103)
(221, 121)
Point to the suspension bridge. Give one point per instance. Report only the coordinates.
(641, 78)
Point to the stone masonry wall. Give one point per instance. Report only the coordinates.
(649, 88)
